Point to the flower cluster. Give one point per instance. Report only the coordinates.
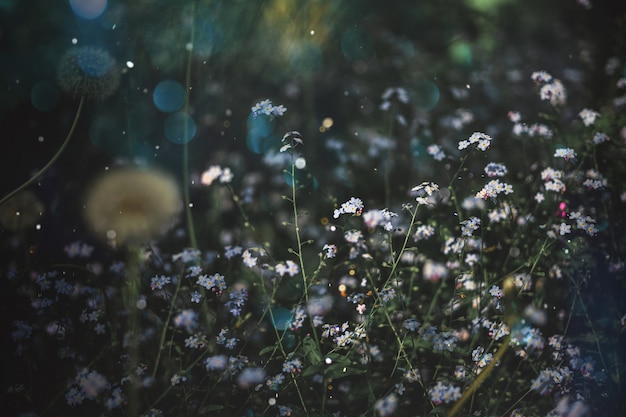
(353, 206)
(552, 89)
(216, 172)
(274, 299)
(482, 141)
(444, 394)
(565, 153)
(493, 188)
(267, 108)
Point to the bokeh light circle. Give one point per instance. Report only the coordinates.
(461, 52)
(281, 318)
(179, 127)
(260, 128)
(169, 96)
(142, 121)
(105, 133)
(88, 9)
(44, 96)
(356, 44)
(305, 57)
(207, 39)
(426, 94)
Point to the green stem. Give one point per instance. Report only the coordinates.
(190, 225)
(131, 295)
(54, 158)
(398, 258)
(480, 378)
(303, 272)
(166, 324)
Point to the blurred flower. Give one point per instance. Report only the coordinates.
(434, 271)
(266, 107)
(541, 77)
(21, 211)
(554, 92)
(90, 382)
(131, 205)
(250, 376)
(436, 152)
(188, 319)
(588, 116)
(215, 172)
(565, 153)
(353, 206)
(387, 406)
(89, 72)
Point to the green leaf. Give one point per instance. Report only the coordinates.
(267, 349)
(312, 370)
(338, 370)
(311, 351)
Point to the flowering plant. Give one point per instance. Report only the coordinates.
(456, 281)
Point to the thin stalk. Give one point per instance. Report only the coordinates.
(190, 225)
(165, 325)
(480, 378)
(54, 158)
(130, 295)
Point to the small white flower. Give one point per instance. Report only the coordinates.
(588, 116)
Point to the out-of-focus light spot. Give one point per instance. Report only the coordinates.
(305, 57)
(486, 5)
(74, 41)
(356, 44)
(189, 46)
(259, 129)
(40, 139)
(300, 163)
(111, 234)
(180, 127)
(288, 178)
(142, 119)
(169, 96)
(281, 318)
(88, 9)
(44, 96)
(104, 133)
(312, 32)
(426, 94)
(327, 122)
(141, 304)
(460, 52)
(208, 38)
(130, 64)
(38, 227)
